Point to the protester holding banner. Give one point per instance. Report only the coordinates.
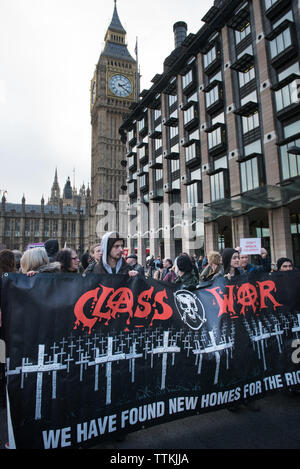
(68, 260)
(263, 260)
(7, 264)
(186, 277)
(284, 264)
(214, 266)
(132, 261)
(36, 260)
(231, 262)
(95, 256)
(112, 261)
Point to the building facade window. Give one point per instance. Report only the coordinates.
(249, 175)
(193, 194)
(290, 162)
(246, 77)
(270, 3)
(286, 96)
(212, 96)
(250, 122)
(215, 138)
(187, 79)
(191, 152)
(240, 35)
(294, 68)
(217, 186)
(210, 56)
(280, 43)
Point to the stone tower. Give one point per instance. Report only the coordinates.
(113, 90)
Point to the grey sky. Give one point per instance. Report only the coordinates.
(48, 53)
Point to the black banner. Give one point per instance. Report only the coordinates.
(91, 357)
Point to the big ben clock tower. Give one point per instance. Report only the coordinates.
(113, 90)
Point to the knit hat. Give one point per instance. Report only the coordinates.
(132, 256)
(281, 261)
(184, 263)
(226, 258)
(52, 248)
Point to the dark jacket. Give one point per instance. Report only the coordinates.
(102, 267)
(208, 274)
(50, 268)
(99, 268)
(188, 281)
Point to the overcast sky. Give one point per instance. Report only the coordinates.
(48, 53)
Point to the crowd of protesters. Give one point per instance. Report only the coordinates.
(108, 257)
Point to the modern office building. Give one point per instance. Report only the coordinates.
(218, 135)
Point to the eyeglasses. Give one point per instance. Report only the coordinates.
(76, 257)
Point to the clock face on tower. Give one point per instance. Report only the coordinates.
(120, 85)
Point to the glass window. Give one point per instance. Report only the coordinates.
(240, 35)
(250, 123)
(217, 76)
(157, 113)
(212, 96)
(270, 3)
(250, 97)
(290, 163)
(189, 114)
(219, 119)
(210, 57)
(173, 131)
(288, 71)
(190, 152)
(217, 190)
(221, 162)
(158, 174)
(215, 138)
(287, 16)
(291, 129)
(246, 77)
(286, 96)
(280, 43)
(187, 79)
(249, 175)
(193, 194)
(248, 50)
(172, 99)
(174, 165)
(157, 143)
(254, 147)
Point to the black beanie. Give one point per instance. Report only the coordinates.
(226, 258)
(184, 263)
(281, 261)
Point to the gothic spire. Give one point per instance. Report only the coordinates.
(115, 24)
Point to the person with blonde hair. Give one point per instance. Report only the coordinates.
(214, 266)
(95, 256)
(36, 260)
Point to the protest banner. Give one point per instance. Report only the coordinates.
(250, 246)
(91, 357)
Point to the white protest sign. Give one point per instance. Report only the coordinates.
(250, 246)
